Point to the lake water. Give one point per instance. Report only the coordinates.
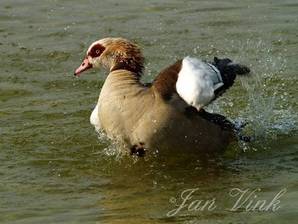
(55, 169)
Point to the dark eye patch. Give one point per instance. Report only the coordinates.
(96, 51)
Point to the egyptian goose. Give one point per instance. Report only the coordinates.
(167, 113)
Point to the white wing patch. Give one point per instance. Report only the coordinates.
(197, 81)
(94, 119)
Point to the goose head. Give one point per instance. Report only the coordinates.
(112, 54)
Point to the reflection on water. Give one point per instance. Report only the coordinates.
(55, 169)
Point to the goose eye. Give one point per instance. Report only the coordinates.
(96, 51)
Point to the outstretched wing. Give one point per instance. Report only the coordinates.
(197, 82)
(228, 72)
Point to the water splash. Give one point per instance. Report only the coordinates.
(268, 109)
(266, 103)
(110, 148)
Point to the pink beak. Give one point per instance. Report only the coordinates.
(83, 67)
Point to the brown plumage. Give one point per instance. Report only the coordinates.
(123, 55)
(165, 82)
(150, 117)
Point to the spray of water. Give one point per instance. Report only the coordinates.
(264, 103)
(268, 108)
